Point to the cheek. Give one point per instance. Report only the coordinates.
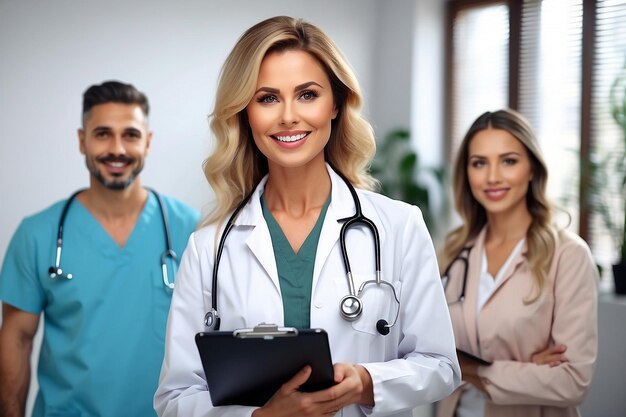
(318, 116)
(257, 120)
(519, 176)
(474, 178)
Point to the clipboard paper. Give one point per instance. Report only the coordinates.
(247, 366)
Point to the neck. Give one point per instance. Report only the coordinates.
(297, 190)
(505, 227)
(114, 204)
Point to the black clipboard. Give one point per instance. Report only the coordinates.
(474, 358)
(248, 366)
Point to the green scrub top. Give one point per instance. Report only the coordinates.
(295, 270)
(104, 329)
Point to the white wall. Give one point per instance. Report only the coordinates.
(50, 51)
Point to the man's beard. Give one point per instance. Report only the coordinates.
(114, 184)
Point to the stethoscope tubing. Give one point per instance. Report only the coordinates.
(350, 305)
(446, 274)
(56, 270)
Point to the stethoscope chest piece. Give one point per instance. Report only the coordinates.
(351, 307)
(212, 320)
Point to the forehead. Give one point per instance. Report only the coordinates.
(495, 142)
(115, 115)
(290, 67)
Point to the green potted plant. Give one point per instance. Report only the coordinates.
(397, 167)
(608, 184)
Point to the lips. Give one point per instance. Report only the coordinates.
(496, 194)
(115, 164)
(290, 137)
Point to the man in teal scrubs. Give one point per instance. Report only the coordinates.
(104, 327)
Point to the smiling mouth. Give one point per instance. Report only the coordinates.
(496, 194)
(290, 138)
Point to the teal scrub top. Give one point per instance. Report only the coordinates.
(295, 270)
(104, 329)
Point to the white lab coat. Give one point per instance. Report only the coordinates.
(413, 365)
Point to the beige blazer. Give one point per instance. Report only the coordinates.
(509, 332)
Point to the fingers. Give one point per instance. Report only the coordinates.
(297, 380)
(552, 356)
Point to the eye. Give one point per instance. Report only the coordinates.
(101, 134)
(309, 95)
(509, 161)
(477, 163)
(267, 98)
(133, 135)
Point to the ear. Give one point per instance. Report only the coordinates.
(335, 112)
(148, 142)
(81, 140)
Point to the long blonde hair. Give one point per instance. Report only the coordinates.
(541, 235)
(236, 165)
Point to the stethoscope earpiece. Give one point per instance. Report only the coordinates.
(56, 271)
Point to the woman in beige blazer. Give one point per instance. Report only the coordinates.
(522, 294)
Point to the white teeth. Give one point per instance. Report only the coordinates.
(117, 164)
(293, 138)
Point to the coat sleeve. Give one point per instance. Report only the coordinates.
(427, 368)
(574, 324)
(182, 387)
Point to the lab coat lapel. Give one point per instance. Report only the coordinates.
(259, 241)
(341, 206)
(471, 294)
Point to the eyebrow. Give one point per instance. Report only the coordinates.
(108, 129)
(296, 88)
(504, 155)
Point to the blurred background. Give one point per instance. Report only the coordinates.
(427, 68)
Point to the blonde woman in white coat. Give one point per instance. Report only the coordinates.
(286, 123)
(522, 294)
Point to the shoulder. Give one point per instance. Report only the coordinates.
(389, 209)
(40, 227)
(49, 216)
(180, 211)
(570, 244)
(572, 256)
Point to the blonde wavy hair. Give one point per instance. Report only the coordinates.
(235, 165)
(541, 236)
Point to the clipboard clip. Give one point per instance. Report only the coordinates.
(266, 331)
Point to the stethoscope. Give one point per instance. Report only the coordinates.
(462, 257)
(57, 272)
(351, 305)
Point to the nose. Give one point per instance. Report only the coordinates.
(289, 115)
(493, 175)
(117, 146)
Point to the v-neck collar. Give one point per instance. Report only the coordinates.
(93, 227)
(277, 232)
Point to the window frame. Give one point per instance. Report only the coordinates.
(454, 7)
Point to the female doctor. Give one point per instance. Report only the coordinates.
(287, 128)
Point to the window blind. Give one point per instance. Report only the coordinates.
(606, 136)
(480, 42)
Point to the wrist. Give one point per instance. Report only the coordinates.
(367, 395)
